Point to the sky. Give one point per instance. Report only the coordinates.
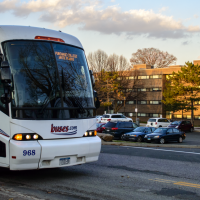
(115, 26)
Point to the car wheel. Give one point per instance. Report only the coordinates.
(122, 136)
(162, 141)
(139, 139)
(180, 139)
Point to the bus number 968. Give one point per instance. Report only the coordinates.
(29, 152)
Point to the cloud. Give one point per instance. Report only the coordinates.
(112, 1)
(185, 43)
(163, 9)
(89, 15)
(196, 16)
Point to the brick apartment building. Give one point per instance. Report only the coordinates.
(149, 85)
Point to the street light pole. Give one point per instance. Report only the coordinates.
(124, 105)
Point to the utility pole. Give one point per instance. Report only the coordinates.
(108, 97)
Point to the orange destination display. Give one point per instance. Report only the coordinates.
(65, 56)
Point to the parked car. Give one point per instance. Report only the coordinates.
(98, 117)
(117, 129)
(158, 122)
(138, 134)
(115, 117)
(100, 127)
(163, 135)
(182, 125)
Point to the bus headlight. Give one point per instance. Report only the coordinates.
(86, 134)
(27, 136)
(35, 137)
(90, 133)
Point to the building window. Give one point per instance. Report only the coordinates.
(155, 89)
(119, 102)
(153, 115)
(155, 102)
(142, 102)
(196, 117)
(197, 102)
(155, 76)
(178, 116)
(187, 116)
(142, 114)
(131, 114)
(142, 90)
(119, 78)
(131, 77)
(130, 102)
(143, 77)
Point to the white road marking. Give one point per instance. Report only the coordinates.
(163, 150)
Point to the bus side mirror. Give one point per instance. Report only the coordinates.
(92, 77)
(5, 98)
(1, 58)
(5, 72)
(96, 100)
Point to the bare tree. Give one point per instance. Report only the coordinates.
(97, 61)
(153, 57)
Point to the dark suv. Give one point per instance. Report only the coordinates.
(117, 129)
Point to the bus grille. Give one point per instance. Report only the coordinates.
(2, 149)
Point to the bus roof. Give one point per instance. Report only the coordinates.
(29, 33)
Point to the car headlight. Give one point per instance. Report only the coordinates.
(176, 127)
(134, 135)
(145, 136)
(156, 136)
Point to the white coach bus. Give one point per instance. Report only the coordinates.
(47, 100)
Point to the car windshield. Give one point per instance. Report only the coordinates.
(110, 124)
(135, 125)
(98, 125)
(175, 123)
(139, 129)
(152, 120)
(50, 80)
(160, 130)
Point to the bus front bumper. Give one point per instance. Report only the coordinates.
(26, 155)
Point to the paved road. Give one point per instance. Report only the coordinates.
(121, 173)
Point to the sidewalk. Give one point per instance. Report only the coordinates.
(192, 141)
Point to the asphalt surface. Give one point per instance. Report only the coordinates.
(121, 173)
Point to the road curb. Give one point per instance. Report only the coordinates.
(151, 145)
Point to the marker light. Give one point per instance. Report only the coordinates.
(95, 132)
(28, 137)
(49, 38)
(35, 136)
(18, 137)
(90, 133)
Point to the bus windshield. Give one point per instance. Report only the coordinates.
(50, 80)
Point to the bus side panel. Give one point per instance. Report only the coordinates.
(4, 139)
(24, 155)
